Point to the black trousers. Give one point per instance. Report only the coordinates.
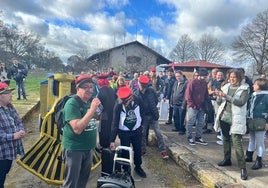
(170, 113)
(134, 138)
(5, 166)
(105, 132)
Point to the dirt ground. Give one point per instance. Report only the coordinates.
(161, 173)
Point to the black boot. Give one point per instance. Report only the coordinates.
(249, 155)
(258, 164)
(225, 162)
(244, 174)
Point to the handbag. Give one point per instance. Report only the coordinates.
(257, 124)
(226, 117)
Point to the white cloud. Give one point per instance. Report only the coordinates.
(72, 25)
(156, 24)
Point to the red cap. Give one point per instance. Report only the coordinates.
(83, 78)
(153, 70)
(123, 92)
(144, 79)
(4, 88)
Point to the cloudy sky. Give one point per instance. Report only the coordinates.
(69, 26)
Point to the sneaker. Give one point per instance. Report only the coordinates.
(200, 141)
(219, 137)
(219, 142)
(207, 131)
(140, 172)
(191, 141)
(169, 123)
(164, 155)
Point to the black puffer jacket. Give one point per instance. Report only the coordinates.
(149, 100)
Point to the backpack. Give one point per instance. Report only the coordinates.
(24, 73)
(58, 111)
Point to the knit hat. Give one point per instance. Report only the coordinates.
(123, 92)
(4, 88)
(82, 79)
(203, 72)
(170, 70)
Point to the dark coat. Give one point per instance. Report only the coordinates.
(178, 92)
(16, 74)
(169, 82)
(149, 100)
(258, 105)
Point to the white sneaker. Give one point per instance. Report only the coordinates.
(219, 137)
(219, 142)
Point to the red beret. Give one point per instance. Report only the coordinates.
(123, 92)
(153, 70)
(144, 79)
(103, 82)
(103, 76)
(83, 78)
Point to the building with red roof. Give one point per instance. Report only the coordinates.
(188, 68)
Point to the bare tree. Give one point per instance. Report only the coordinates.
(19, 42)
(84, 54)
(184, 50)
(251, 45)
(209, 48)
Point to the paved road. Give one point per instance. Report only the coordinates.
(202, 161)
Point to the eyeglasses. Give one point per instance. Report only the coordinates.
(87, 87)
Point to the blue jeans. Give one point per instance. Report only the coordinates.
(179, 117)
(21, 89)
(195, 117)
(148, 122)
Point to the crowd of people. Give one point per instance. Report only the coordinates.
(236, 100)
(134, 103)
(129, 108)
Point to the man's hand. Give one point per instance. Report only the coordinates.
(112, 146)
(18, 135)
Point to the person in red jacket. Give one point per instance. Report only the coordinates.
(195, 95)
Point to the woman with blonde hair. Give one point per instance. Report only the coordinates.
(120, 82)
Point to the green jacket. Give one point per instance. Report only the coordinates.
(258, 107)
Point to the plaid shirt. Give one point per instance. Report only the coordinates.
(10, 123)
